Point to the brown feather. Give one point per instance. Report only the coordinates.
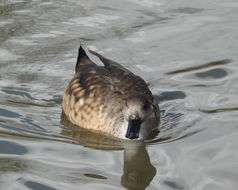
(96, 95)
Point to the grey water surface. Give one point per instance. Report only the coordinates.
(186, 50)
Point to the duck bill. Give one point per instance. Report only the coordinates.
(133, 129)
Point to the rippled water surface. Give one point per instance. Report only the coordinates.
(185, 50)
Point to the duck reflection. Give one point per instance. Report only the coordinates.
(138, 171)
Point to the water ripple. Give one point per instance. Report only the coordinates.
(219, 110)
(207, 65)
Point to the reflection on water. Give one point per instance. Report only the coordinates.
(11, 148)
(18, 93)
(89, 138)
(173, 95)
(9, 164)
(138, 171)
(207, 65)
(219, 110)
(37, 186)
(213, 73)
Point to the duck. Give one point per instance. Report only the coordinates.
(110, 99)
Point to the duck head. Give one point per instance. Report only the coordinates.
(137, 115)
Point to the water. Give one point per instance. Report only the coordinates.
(186, 50)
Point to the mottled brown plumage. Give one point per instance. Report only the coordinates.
(105, 98)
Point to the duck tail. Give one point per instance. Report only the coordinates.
(82, 59)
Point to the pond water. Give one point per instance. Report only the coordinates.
(185, 50)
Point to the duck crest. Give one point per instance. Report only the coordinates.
(96, 97)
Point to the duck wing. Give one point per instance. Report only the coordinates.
(124, 80)
(90, 79)
(112, 66)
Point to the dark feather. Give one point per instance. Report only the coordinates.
(82, 59)
(125, 81)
